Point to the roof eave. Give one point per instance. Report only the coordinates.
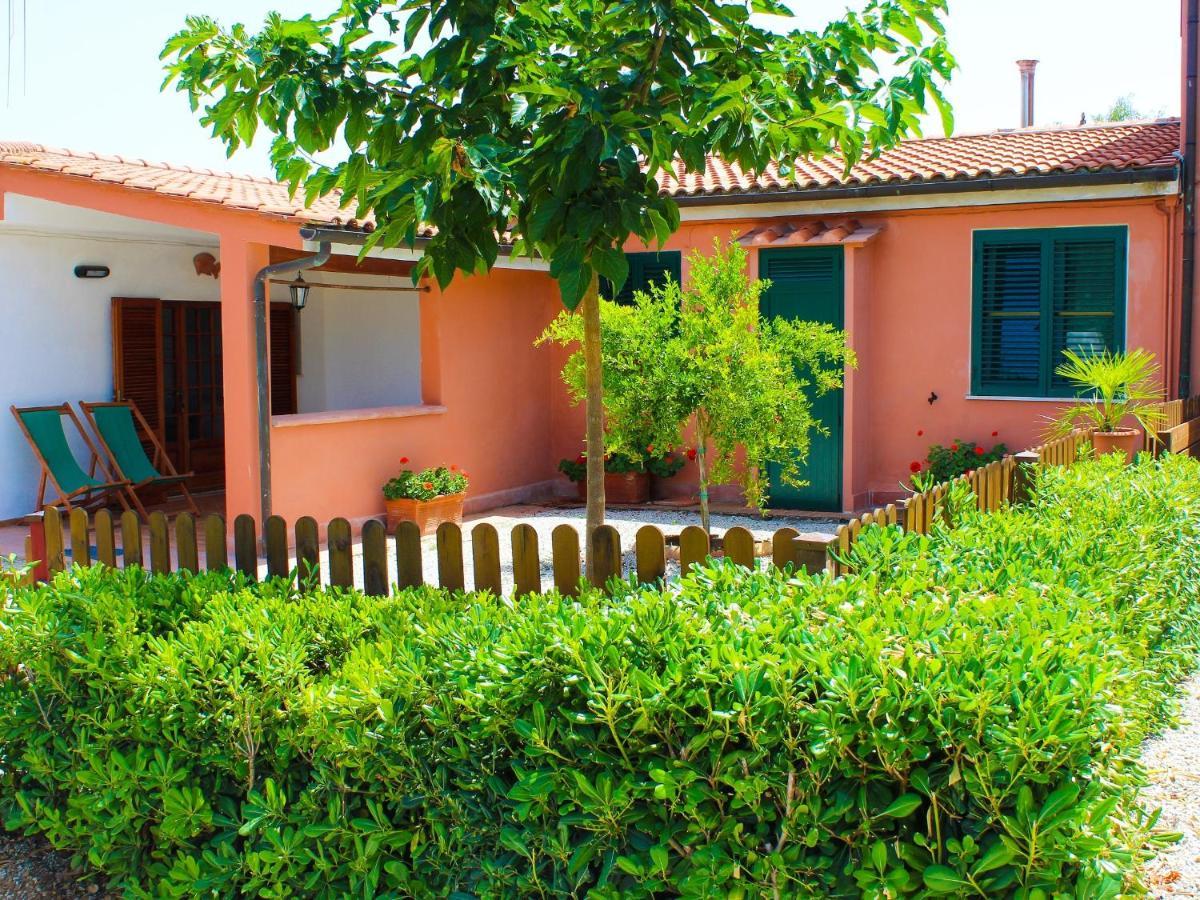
(949, 186)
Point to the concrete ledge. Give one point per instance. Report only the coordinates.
(333, 417)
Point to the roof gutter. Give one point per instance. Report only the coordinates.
(1187, 300)
(320, 234)
(919, 188)
(263, 366)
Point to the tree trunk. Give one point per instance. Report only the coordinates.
(702, 467)
(594, 384)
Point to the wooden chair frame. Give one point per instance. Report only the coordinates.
(83, 496)
(170, 476)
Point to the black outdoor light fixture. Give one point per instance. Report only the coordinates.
(299, 290)
(91, 271)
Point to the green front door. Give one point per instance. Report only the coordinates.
(806, 283)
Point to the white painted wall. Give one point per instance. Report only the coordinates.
(358, 349)
(56, 331)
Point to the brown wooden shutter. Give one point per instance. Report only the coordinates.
(137, 357)
(283, 359)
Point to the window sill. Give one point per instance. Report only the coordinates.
(1010, 399)
(336, 416)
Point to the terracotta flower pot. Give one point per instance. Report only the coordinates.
(627, 487)
(428, 514)
(1125, 441)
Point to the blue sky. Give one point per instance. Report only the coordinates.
(92, 72)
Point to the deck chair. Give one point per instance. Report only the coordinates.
(43, 428)
(116, 425)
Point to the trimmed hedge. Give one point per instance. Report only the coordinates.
(961, 716)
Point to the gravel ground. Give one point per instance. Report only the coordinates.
(627, 522)
(1173, 761)
(30, 869)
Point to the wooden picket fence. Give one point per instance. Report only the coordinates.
(994, 485)
(162, 548)
(1180, 429)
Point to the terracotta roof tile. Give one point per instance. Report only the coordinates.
(1114, 147)
(1033, 151)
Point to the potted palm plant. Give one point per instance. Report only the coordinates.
(1114, 390)
(428, 497)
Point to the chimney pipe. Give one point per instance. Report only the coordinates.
(1027, 66)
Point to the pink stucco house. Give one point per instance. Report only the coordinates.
(959, 268)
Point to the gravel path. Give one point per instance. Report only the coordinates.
(1173, 761)
(627, 523)
(30, 869)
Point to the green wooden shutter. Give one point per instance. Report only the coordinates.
(645, 269)
(1008, 313)
(1038, 292)
(1087, 290)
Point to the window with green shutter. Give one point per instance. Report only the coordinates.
(1038, 292)
(645, 269)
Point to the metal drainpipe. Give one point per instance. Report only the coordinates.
(260, 336)
(1188, 257)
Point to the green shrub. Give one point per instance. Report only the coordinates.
(960, 716)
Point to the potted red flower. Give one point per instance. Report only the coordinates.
(626, 480)
(428, 497)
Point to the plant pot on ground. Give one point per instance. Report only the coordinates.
(662, 469)
(1113, 388)
(626, 480)
(428, 498)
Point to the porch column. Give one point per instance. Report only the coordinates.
(240, 262)
(855, 459)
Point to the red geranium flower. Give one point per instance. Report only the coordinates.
(404, 460)
(649, 448)
(979, 451)
(581, 459)
(995, 434)
(691, 454)
(453, 467)
(920, 432)
(954, 448)
(428, 485)
(914, 467)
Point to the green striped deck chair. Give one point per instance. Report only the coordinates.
(123, 433)
(44, 428)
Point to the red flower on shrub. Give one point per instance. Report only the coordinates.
(581, 459)
(954, 448)
(995, 434)
(453, 467)
(920, 432)
(914, 467)
(691, 454)
(979, 451)
(403, 460)
(428, 485)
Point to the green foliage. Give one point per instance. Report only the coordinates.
(946, 463)
(552, 116)
(706, 352)
(665, 465)
(436, 481)
(1115, 387)
(660, 465)
(959, 717)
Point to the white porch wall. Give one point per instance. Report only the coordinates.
(56, 329)
(358, 349)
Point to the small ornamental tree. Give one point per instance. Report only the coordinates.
(552, 118)
(704, 354)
